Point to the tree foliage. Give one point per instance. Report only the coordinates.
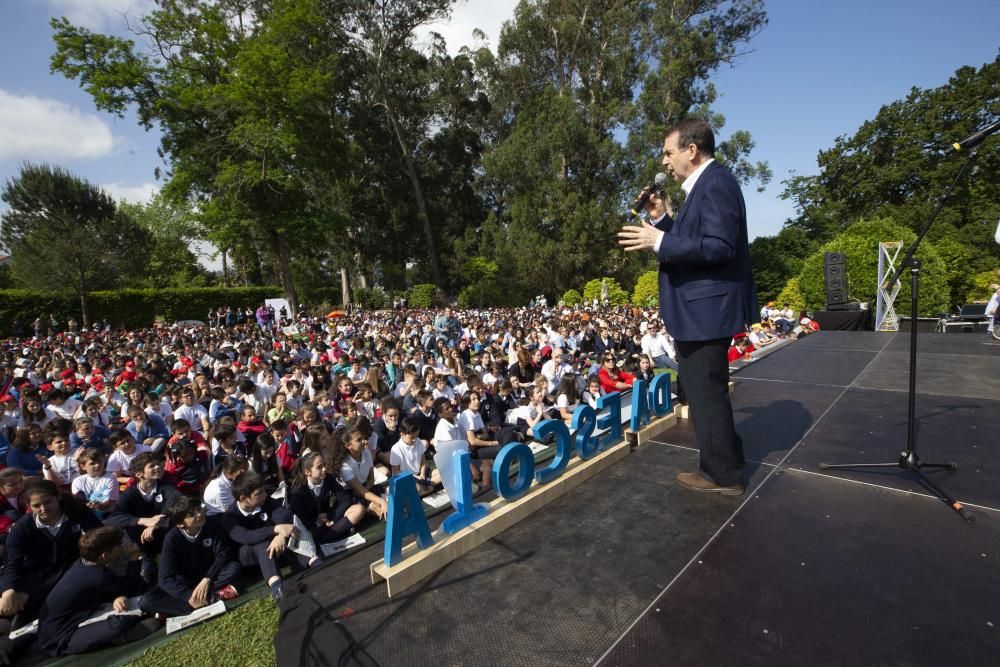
(170, 262)
(315, 140)
(595, 290)
(859, 243)
(896, 167)
(647, 290)
(65, 234)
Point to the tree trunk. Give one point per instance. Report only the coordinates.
(345, 288)
(418, 194)
(280, 247)
(225, 267)
(82, 290)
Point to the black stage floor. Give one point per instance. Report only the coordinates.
(808, 567)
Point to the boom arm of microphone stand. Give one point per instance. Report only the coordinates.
(908, 257)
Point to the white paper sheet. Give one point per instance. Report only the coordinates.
(176, 623)
(107, 611)
(436, 500)
(343, 545)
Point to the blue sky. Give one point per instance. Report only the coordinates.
(817, 71)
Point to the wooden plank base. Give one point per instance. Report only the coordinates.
(418, 564)
(652, 430)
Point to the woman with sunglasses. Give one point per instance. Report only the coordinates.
(613, 378)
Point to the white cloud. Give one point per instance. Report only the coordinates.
(36, 128)
(135, 194)
(99, 14)
(466, 16)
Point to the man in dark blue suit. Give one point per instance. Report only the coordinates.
(707, 293)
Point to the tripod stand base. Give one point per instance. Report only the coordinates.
(908, 460)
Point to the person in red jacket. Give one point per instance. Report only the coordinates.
(613, 378)
(187, 467)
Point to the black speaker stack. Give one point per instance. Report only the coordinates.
(835, 280)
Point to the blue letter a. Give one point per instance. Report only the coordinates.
(405, 517)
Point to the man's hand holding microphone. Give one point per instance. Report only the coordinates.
(644, 236)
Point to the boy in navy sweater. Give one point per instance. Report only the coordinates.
(261, 529)
(41, 546)
(196, 565)
(141, 509)
(107, 571)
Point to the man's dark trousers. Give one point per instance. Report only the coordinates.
(704, 365)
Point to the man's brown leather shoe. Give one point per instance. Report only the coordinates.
(695, 482)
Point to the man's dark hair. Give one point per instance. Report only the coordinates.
(695, 131)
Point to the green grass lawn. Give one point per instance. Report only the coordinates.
(240, 637)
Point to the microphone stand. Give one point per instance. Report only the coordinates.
(908, 459)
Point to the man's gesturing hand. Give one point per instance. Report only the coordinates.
(638, 237)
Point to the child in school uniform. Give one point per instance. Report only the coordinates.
(328, 510)
(218, 494)
(197, 566)
(352, 459)
(12, 505)
(41, 546)
(386, 429)
(261, 528)
(106, 572)
(482, 445)
(142, 508)
(407, 455)
(95, 485)
(568, 397)
(264, 462)
(225, 444)
(528, 413)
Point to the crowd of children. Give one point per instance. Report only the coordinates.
(164, 463)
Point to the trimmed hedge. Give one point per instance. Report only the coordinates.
(137, 308)
(572, 298)
(372, 298)
(422, 295)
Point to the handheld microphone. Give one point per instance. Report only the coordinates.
(975, 139)
(657, 187)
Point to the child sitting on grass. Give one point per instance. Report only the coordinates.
(41, 546)
(196, 564)
(328, 510)
(407, 455)
(106, 572)
(142, 508)
(353, 461)
(261, 529)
